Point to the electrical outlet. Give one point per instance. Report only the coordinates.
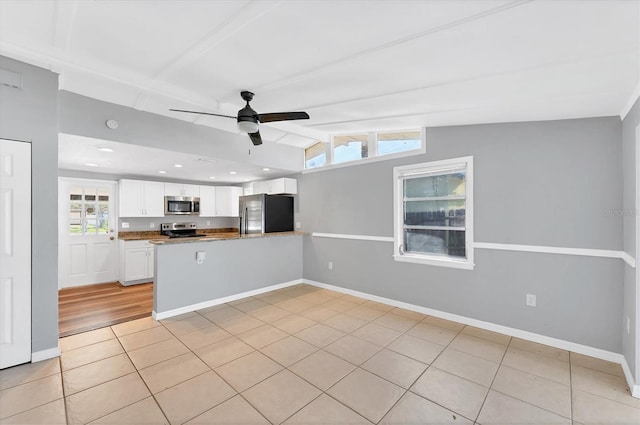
(125, 225)
(298, 225)
(208, 222)
(531, 300)
(628, 325)
(152, 225)
(330, 265)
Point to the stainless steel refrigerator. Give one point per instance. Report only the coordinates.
(266, 213)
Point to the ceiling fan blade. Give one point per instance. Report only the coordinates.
(255, 138)
(202, 113)
(283, 116)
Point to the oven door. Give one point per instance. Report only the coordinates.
(178, 205)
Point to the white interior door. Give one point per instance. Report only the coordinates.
(15, 253)
(87, 244)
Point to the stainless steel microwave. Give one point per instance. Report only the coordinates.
(181, 205)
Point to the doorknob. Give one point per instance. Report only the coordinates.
(111, 238)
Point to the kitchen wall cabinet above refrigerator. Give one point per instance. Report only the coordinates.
(281, 186)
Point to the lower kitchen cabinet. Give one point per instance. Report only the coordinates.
(136, 262)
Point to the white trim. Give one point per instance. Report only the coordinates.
(636, 389)
(633, 386)
(217, 301)
(354, 237)
(627, 258)
(529, 336)
(630, 102)
(559, 250)
(50, 353)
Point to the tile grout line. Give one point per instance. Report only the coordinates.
(493, 380)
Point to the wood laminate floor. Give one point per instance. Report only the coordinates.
(84, 308)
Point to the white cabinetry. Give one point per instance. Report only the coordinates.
(139, 198)
(136, 262)
(207, 201)
(276, 186)
(179, 189)
(227, 198)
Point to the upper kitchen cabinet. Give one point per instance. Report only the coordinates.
(227, 199)
(207, 201)
(178, 189)
(139, 198)
(282, 186)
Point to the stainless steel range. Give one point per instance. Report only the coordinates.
(179, 230)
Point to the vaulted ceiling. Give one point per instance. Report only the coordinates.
(352, 65)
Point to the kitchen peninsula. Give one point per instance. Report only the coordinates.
(195, 273)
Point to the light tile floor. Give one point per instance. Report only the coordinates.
(304, 355)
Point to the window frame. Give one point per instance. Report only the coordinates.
(372, 152)
(432, 167)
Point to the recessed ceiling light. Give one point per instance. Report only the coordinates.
(232, 172)
(162, 172)
(212, 177)
(177, 165)
(246, 180)
(266, 169)
(90, 164)
(105, 149)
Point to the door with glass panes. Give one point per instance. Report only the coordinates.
(87, 243)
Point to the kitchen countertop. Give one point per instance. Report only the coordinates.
(155, 234)
(223, 237)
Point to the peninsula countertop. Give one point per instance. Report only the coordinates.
(155, 234)
(223, 237)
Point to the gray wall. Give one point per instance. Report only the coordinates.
(31, 114)
(85, 116)
(629, 216)
(537, 183)
(231, 267)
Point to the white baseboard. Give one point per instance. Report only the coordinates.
(50, 353)
(529, 336)
(217, 301)
(633, 386)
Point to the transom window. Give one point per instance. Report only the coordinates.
(353, 149)
(433, 213)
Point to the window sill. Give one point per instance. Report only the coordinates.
(442, 262)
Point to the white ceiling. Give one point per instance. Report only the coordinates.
(352, 65)
(127, 160)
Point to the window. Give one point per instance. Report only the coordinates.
(88, 211)
(433, 213)
(315, 156)
(354, 149)
(350, 148)
(398, 142)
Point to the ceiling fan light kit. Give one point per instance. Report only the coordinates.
(248, 119)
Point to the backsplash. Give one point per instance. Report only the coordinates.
(138, 224)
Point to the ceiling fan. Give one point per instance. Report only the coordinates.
(248, 119)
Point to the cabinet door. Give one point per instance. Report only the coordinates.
(131, 198)
(223, 201)
(191, 190)
(136, 264)
(154, 199)
(235, 194)
(207, 201)
(172, 189)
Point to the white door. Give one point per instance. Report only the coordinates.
(15, 253)
(87, 244)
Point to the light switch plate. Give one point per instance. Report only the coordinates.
(531, 300)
